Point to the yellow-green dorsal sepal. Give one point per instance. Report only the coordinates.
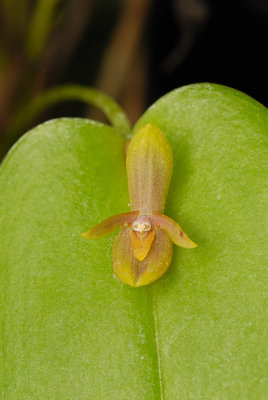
(149, 169)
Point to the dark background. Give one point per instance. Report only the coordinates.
(133, 50)
(228, 46)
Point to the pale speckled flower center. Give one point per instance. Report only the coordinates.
(142, 224)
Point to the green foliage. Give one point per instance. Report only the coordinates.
(69, 328)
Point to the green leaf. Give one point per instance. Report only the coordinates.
(69, 328)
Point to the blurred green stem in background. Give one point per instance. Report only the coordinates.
(40, 26)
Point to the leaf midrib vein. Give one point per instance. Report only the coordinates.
(157, 350)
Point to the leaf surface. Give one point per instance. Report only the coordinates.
(69, 328)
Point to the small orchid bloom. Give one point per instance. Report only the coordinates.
(142, 250)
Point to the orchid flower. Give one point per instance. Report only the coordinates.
(142, 251)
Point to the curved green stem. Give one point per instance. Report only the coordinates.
(110, 108)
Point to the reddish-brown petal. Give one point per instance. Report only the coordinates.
(136, 273)
(149, 169)
(173, 229)
(110, 224)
